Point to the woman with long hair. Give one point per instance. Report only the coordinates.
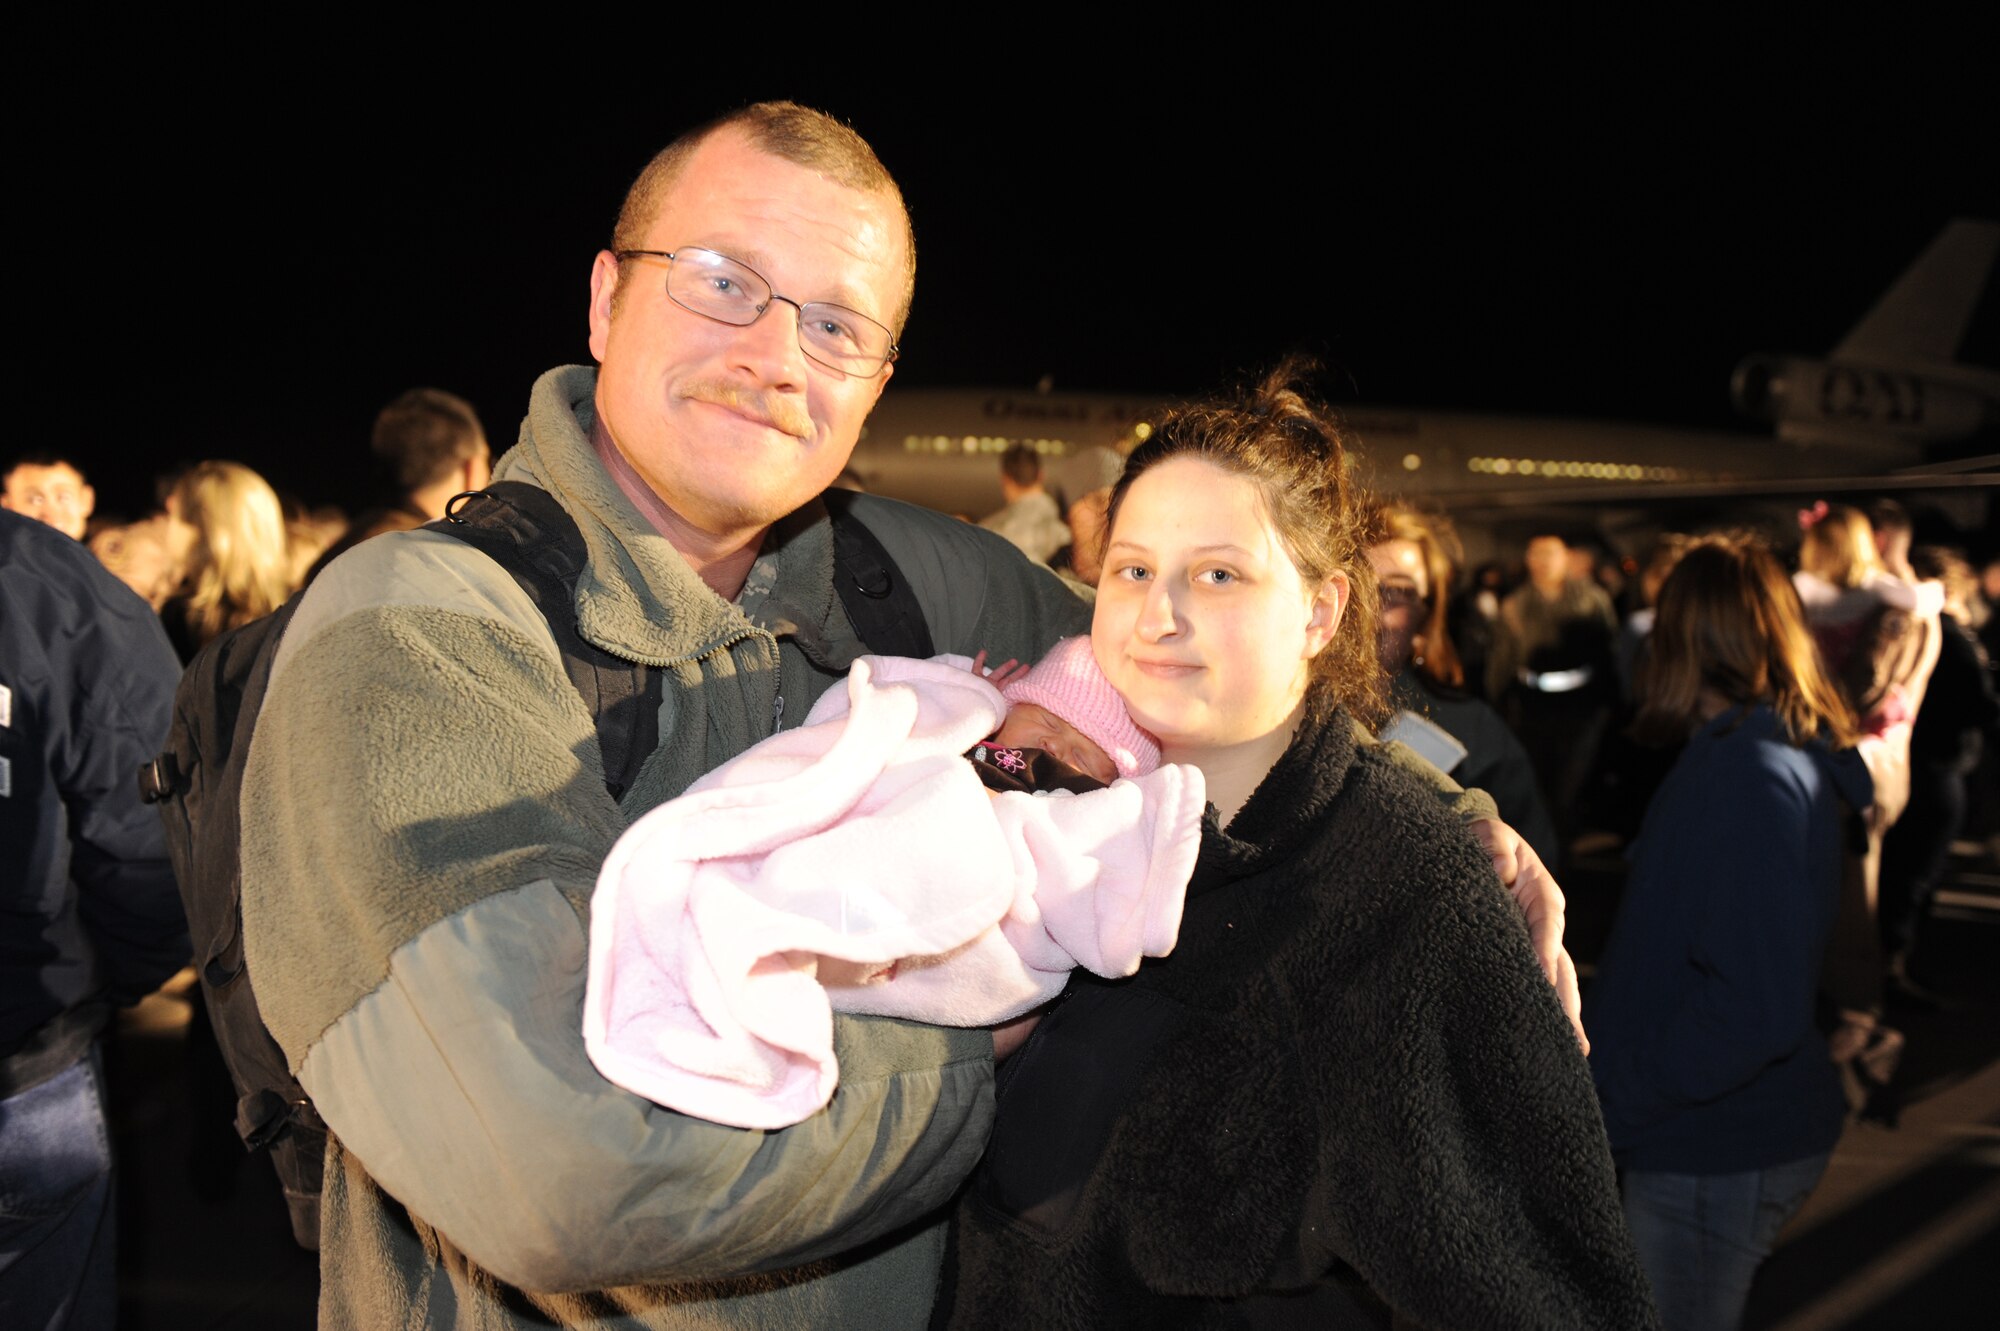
(1859, 613)
(1721, 1097)
(1349, 1094)
(1414, 556)
(235, 567)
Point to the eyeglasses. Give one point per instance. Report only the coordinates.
(1399, 596)
(717, 287)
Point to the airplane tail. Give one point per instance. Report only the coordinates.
(1923, 317)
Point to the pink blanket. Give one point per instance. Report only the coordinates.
(864, 835)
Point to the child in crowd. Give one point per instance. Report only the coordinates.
(861, 863)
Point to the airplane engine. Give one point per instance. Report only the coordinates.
(1809, 400)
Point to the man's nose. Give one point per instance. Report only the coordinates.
(769, 347)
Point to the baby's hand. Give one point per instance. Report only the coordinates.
(1002, 675)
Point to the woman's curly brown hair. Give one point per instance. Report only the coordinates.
(1292, 447)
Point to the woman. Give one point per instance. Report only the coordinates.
(1348, 1093)
(230, 532)
(1861, 616)
(1721, 1098)
(1413, 566)
(1879, 637)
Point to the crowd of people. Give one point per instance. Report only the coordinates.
(1346, 1085)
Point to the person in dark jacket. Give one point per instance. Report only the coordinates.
(1720, 1094)
(1412, 556)
(92, 918)
(1347, 1096)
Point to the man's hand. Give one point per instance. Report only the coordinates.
(1011, 1035)
(1002, 675)
(1535, 892)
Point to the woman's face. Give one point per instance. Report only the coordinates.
(1203, 623)
(1406, 587)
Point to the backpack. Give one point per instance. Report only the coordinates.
(197, 780)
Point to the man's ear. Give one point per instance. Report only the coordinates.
(603, 286)
(882, 381)
(1329, 602)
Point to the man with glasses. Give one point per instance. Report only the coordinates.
(425, 811)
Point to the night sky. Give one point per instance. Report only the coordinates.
(249, 266)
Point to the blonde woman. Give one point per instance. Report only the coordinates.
(1879, 637)
(1860, 614)
(229, 532)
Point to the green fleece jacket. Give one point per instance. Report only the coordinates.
(424, 816)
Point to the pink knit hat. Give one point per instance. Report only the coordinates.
(1068, 683)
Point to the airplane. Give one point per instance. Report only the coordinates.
(1880, 412)
(1895, 378)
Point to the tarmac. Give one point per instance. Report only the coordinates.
(1903, 1232)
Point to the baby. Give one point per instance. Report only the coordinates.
(861, 863)
(1066, 728)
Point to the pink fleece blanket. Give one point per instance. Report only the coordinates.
(865, 836)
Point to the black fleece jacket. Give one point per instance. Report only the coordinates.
(1348, 1090)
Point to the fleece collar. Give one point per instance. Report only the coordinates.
(1287, 806)
(637, 597)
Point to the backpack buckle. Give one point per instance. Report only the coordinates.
(159, 779)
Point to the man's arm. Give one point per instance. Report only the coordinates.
(126, 893)
(424, 819)
(1527, 879)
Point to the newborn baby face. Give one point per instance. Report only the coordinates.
(1031, 727)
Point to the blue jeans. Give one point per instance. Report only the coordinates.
(1701, 1237)
(57, 1264)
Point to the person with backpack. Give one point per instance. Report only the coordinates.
(434, 781)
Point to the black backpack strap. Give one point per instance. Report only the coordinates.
(877, 597)
(523, 529)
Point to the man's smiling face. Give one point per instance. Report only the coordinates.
(734, 427)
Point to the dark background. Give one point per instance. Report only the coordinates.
(246, 258)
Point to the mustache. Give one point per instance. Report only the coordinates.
(773, 409)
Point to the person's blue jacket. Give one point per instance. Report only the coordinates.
(1701, 1020)
(89, 916)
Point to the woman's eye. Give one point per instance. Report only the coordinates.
(1217, 577)
(1135, 573)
